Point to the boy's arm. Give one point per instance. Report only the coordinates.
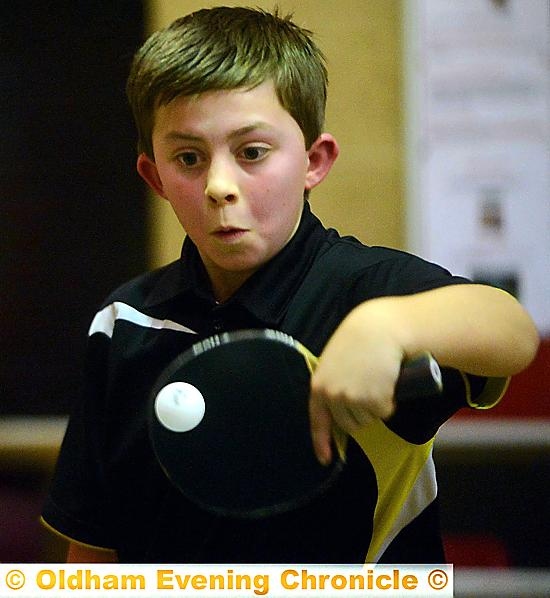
(474, 328)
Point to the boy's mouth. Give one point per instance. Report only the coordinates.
(229, 234)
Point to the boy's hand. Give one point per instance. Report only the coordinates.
(355, 379)
(474, 328)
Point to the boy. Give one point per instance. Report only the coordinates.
(229, 105)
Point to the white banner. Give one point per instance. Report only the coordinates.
(103, 580)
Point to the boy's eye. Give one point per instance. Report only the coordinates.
(254, 152)
(189, 159)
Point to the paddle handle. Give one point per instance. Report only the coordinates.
(419, 376)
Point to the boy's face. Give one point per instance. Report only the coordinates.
(234, 166)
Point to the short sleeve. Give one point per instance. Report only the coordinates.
(484, 393)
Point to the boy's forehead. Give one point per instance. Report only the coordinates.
(240, 110)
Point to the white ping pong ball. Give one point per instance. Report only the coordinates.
(179, 406)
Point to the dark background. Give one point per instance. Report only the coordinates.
(72, 208)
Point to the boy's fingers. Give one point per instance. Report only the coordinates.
(321, 424)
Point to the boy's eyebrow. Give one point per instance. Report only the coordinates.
(240, 132)
(249, 129)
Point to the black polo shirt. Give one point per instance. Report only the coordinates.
(109, 490)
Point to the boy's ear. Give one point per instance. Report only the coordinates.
(147, 169)
(322, 154)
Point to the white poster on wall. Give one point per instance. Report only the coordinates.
(478, 81)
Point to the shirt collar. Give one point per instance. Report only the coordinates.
(266, 293)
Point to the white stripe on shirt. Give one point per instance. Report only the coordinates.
(104, 321)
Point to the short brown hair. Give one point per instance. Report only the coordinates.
(229, 48)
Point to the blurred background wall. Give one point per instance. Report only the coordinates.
(76, 221)
(73, 212)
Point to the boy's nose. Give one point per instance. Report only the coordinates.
(220, 185)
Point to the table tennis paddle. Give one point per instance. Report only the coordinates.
(229, 422)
